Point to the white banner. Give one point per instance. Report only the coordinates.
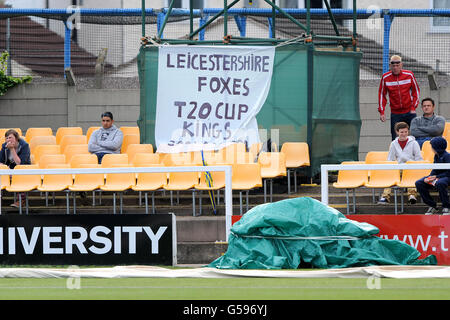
(209, 96)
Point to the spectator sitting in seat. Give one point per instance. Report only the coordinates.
(403, 148)
(438, 178)
(107, 139)
(429, 125)
(14, 151)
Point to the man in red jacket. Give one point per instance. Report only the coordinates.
(403, 91)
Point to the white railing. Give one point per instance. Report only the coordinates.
(333, 167)
(226, 169)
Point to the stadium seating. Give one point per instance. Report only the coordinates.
(427, 152)
(297, 156)
(127, 140)
(351, 179)
(182, 181)
(56, 183)
(383, 179)
(118, 182)
(149, 181)
(86, 182)
(33, 132)
(111, 159)
(409, 177)
(41, 140)
(44, 149)
(49, 159)
(232, 153)
(273, 165)
(149, 159)
(75, 149)
(130, 130)
(246, 176)
(81, 159)
(132, 149)
(24, 183)
(70, 139)
(214, 183)
(62, 131)
(5, 179)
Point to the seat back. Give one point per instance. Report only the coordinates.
(374, 156)
(5, 179)
(352, 177)
(146, 159)
(77, 160)
(182, 180)
(39, 140)
(127, 140)
(120, 180)
(44, 149)
(296, 153)
(427, 152)
(62, 131)
(48, 159)
(385, 178)
(112, 159)
(410, 176)
(233, 152)
(272, 164)
(150, 180)
(246, 176)
(130, 130)
(57, 180)
(90, 180)
(75, 149)
(216, 180)
(176, 159)
(33, 132)
(25, 182)
(70, 139)
(134, 148)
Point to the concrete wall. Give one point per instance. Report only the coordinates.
(55, 105)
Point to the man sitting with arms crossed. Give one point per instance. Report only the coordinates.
(107, 139)
(429, 125)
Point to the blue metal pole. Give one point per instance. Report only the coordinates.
(67, 36)
(387, 18)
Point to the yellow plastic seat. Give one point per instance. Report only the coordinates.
(118, 182)
(47, 159)
(87, 182)
(62, 131)
(71, 139)
(3, 131)
(82, 159)
(374, 156)
(246, 176)
(351, 179)
(111, 159)
(134, 148)
(182, 181)
(56, 183)
(33, 132)
(150, 159)
(75, 149)
(149, 181)
(176, 159)
(44, 149)
(127, 140)
(5, 179)
(216, 183)
(24, 183)
(427, 152)
(384, 179)
(409, 177)
(273, 165)
(297, 156)
(41, 140)
(130, 130)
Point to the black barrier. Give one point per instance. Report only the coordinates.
(88, 239)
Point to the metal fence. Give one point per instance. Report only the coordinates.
(43, 42)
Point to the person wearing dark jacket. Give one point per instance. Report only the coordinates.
(14, 151)
(438, 178)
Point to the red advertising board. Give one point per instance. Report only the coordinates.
(428, 234)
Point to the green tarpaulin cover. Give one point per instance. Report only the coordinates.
(303, 232)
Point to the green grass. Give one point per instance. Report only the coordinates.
(222, 289)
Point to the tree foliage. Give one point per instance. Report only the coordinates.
(7, 82)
